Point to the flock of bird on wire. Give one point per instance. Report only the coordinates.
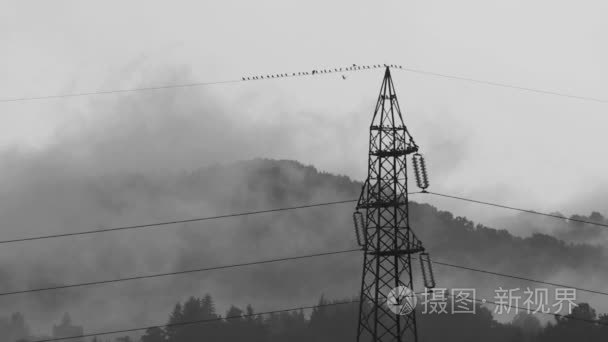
(354, 67)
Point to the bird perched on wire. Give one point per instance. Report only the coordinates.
(343, 77)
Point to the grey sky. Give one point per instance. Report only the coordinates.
(532, 150)
(528, 150)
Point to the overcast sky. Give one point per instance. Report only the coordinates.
(525, 149)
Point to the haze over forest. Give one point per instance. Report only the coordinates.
(211, 146)
(155, 158)
(126, 198)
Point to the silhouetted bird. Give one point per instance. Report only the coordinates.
(343, 77)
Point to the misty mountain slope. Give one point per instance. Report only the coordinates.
(261, 183)
(264, 181)
(448, 238)
(540, 254)
(566, 230)
(115, 199)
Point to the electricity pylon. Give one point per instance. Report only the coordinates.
(383, 229)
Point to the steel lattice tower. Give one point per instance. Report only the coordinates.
(388, 239)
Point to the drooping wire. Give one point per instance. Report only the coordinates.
(200, 321)
(505, 85)
(116, 91)
(218, 319)
(150, 225)
(196, 270)
(165, 223)
(267, 261)
(505, 275)
(517, 209)
(354, 67)
(484, 301)
(306, 73)
(320, 254)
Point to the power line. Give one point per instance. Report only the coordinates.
(197, 270)
(165, 223)
(218, 319)
(484, 301)
(116, 91)
(505, 85)
(517, 209)
(200, 321)
(207, 218)
(268, 261)
(194, 84)
(517, 277)
(305, 74)
(546, 313)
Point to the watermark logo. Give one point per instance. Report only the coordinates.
(401, 300)
(506, 301)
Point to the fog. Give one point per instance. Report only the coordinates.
(90, 162)
(149, 158)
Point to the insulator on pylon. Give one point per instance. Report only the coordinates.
(427, 270)
(422, 179)
(359, 227)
